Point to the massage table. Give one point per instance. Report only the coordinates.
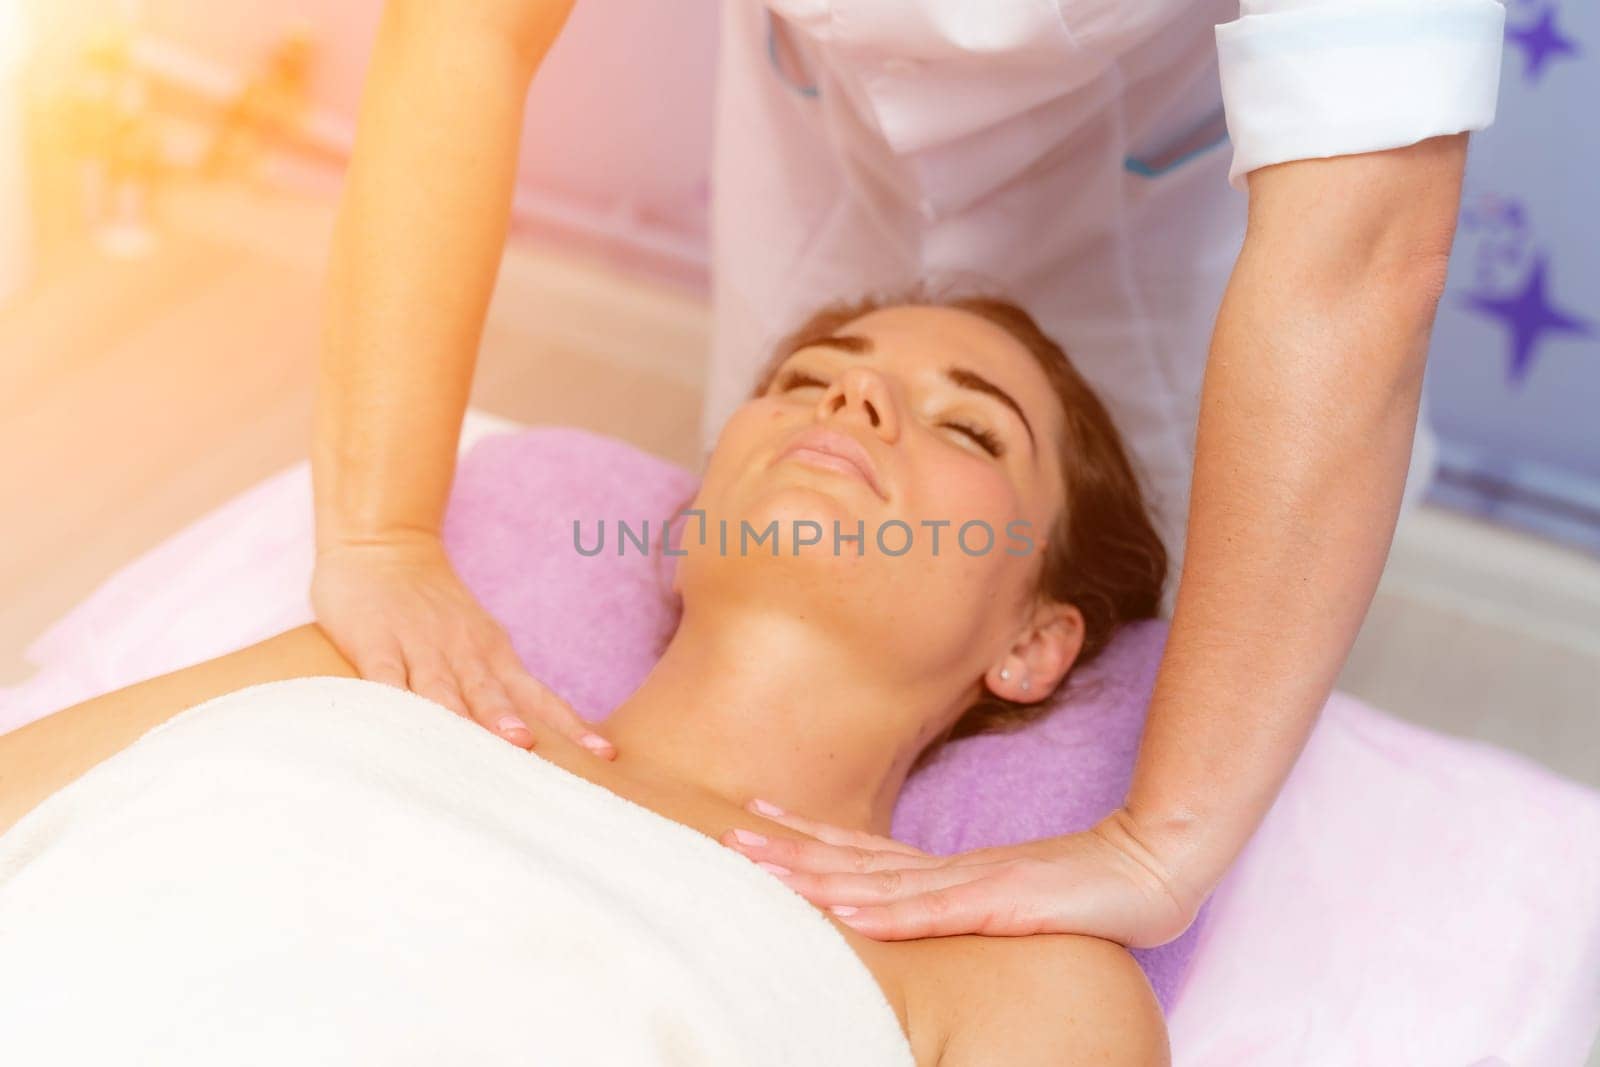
(1411, 898)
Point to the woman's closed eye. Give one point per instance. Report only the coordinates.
(985, 439)
(790, 380)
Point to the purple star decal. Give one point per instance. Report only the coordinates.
(1540, 42)
(1528, 314)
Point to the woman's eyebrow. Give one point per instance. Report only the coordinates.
(858, 345)
(970, 380)
(853, 343)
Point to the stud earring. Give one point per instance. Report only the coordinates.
(1005, 674)
(1025, 685)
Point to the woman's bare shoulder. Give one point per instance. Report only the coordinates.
(1046, 999)
(45, 755)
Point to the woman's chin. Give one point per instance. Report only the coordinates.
(789, 531)
(796, 513)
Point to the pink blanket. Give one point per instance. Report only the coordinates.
(1410, 898)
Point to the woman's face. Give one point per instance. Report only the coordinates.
(913, 423)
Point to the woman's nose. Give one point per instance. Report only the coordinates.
(862, 393)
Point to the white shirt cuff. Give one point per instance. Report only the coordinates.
(1303, 79)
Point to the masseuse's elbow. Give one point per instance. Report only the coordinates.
(1407, 302)
(1418, 201)
(1414, 282)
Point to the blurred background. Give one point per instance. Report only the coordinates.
(169, 172)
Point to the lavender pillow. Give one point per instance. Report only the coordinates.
(590, 628)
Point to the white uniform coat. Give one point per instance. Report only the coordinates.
(1084, 157)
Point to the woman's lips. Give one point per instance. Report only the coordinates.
(833, 450)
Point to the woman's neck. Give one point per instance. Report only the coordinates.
(756, 702)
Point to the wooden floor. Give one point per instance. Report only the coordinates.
(138, 394)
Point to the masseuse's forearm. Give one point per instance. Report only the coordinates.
(416, 249)
(1308, 408)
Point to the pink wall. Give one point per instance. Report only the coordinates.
(618, 121)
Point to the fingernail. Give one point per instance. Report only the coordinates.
(843, 910)
(765, 807)
(773, 868)
(511, 724)
(749, 837)
(595, 743)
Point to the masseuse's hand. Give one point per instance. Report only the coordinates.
(1102, 882)
(402, 616)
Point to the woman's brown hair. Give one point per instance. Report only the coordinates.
(1103, 554)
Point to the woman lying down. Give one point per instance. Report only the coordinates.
(304, 867)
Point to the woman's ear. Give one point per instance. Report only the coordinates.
(1033, 666)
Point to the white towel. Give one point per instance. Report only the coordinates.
(333, 871)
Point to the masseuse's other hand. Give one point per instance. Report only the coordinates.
(402, 616)
(1103, 882)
